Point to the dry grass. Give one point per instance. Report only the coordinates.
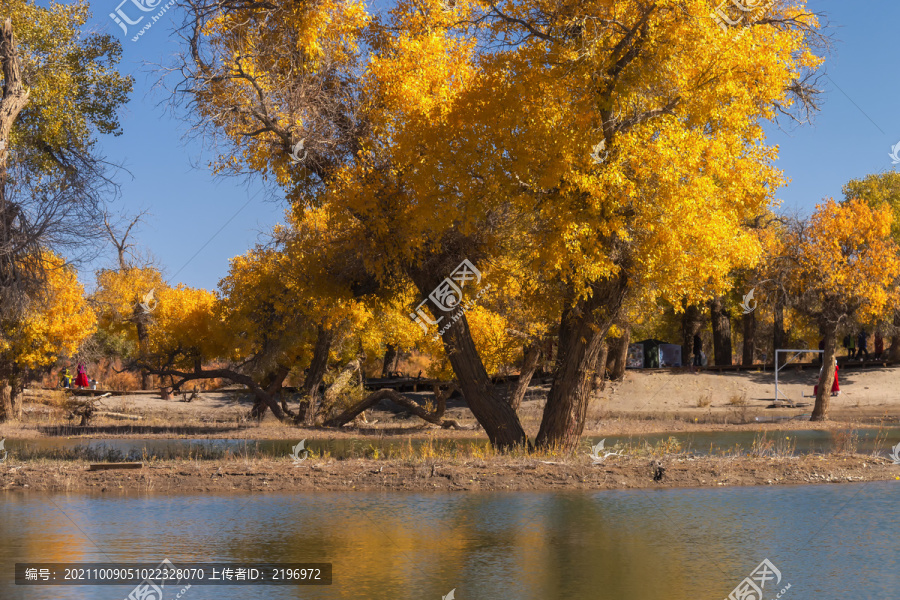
(705, 400)
(779, 448)
(738, 399)
(845, 442)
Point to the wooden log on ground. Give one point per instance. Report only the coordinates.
(109, 466)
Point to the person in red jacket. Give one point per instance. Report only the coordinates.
(835, 386)
(81, 380)
(879, 346)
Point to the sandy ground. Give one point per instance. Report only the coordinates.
(645, 402)
(492, 474)
(867, 391)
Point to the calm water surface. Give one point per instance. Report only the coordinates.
(865, 440)
(829, 542)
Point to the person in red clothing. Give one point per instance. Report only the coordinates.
(879, 346)
(835, 386)
(81, 380)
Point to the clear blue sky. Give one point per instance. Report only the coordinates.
(850, 137)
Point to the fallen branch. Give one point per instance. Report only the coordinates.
(262, 396)
(86, 408)
(115, 415)
(397, 398)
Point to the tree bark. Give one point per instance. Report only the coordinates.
(7, 410)
(618, 354)
(15, 98)
(273, 384)
(778, 336)
(721, 331)
(316, 373)
(500, 421)
(748, 324)
(391, 361)
(602, 365)
(823, 393)
(142, 337)
(498, 418)
(10, 399)
(441, 396)
(583, 328)
(690, 326)
(530, 361)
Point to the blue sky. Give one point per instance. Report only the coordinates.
(198, 221)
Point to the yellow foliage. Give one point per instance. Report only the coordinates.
(846, 260)
(54, 325)
(119, 295)
(460, 137)
(186, 319)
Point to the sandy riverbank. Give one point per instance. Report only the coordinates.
(644, 403)
(493, 474)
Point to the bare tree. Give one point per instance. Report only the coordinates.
(119, 235)
(50, 197)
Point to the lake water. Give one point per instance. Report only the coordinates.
(828, 542)
(866, 440)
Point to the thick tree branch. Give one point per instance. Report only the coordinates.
(397, 398)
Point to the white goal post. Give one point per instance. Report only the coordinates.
(786, 363)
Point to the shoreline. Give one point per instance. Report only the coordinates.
(478, 475)
(617, 425)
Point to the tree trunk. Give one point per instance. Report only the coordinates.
(440, 398)
(316, 372)
(893, 352)
(273, 384)
(823, 393)
(778, 325)
(500, 421)
(274, 381)
(142, 337)
(7, 410)
(618, 354)
(690, 326)
(531, 359)
(10, 400)
(748, 353)
(721, 331)
(391, 361)
(602, 360)
(14, 99)
(498, 418)
(582, 330)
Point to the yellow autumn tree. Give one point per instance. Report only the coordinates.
(186, 328)
(53, 326)
(878, 190)
(125, 299)
(615, 148)
(844, 265)
(124, 295)
(630, 155)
